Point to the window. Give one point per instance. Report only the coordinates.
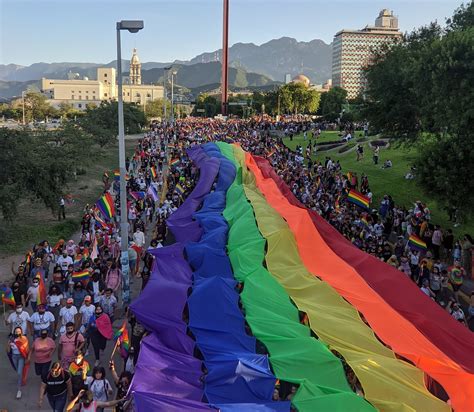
(87, 97)
(80, 91)
(72, 91)
(72, 97)
(93, 91)
(80, 97)
(105, 74)
(87, 91)
(137, 95)
(128, 93)
(148, 95)
(79, 105)
(105, 94)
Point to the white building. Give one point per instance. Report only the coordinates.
(81, 92)
(352, 51)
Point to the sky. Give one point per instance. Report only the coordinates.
(84, 30)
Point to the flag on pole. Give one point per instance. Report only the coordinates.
(100, 221)
(138, 195)
(121, 336)
(7, 295)
(82, 276)
(179, 189)
(116, 174)
(175, 162)
(414, 242)
(152, 193)
(106, 206)
(153, 172)
(95, 249)
(358, 199)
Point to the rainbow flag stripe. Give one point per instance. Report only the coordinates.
(116, 174)
(153, 172)
(179, 189)
(358, 199)
(106, 206)
(81, 276)
(414, 242)
(7, 295)
(123, 339)
(175, 162)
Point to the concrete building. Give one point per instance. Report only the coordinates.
(81, 92)
(352, 51)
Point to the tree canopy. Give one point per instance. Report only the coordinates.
(420, 91)
(332, 102)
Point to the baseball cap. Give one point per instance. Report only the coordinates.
(87, 298)
(70, 300)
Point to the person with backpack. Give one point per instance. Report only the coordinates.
(99, 386)
(56, 385)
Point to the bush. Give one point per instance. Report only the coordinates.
(380, 143)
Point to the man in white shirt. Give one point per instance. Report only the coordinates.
(64, 261)
(67, 314)
(42, 319)
(18, 319)
(86, 310)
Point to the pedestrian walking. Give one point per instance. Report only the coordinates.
(42, 351)
(57, 387)
(18, 351)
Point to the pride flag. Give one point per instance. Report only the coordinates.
(123, 339)
(153, 172)
(7, 295)
(100, 221)
(358, 199)
(138, 195)
(116, 174)
(41, 298)
(179, 189)
(82, 276)
(106, 206)
(175, 162)
(414, 242)
(152, 193)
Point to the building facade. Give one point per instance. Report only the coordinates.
(81, 92)
(353, 49)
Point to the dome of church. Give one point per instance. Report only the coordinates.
(301, 78)
(134, 59)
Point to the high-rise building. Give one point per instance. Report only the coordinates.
(352, 51)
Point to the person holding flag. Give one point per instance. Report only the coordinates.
(18, 351)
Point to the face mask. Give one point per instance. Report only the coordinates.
(18, 335)
(19, 310)
(35, 285)
(69, 332)
(98, 313)
(44, 335)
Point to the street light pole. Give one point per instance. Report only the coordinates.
(23, 104)
(165, 81)
(172, 96)
(132, 26)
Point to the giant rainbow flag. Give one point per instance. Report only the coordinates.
(251, 232)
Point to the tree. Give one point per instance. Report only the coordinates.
(420, 91)
(332, 102)
(298, 98)
(37, 108)
(208, 103)
(102, 122)
(155, 108)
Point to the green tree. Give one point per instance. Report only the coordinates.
(37, 107)
(420, 91)
(209, 104)
(155, 108)
(332, 102)
(102, 122)
(297, 98)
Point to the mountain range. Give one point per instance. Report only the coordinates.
(250, 65)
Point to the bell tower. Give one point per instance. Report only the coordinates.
(135, 69)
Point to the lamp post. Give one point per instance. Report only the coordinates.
(173, 73)
(165, 80)
(133, 26)
(23, 105)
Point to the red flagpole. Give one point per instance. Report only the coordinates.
(225, 59)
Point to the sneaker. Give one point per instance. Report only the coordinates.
(18, 394)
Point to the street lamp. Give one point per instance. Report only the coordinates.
(173, 73)
(23, 104)
(165, 80)
(133, 26)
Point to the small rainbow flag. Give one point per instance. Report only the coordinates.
(100, 221)
(123, 340)
(271, 153)
(106, 206)
(414, 242)
(364, 222)
(116, 174)
(82, 276)
(170, 146)
(175, 162)
(7, 295)
(153, 172)
(358, 199)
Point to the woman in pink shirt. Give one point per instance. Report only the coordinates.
(113, 279)
(43, 349)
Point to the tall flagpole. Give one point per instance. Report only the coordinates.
(225, 59)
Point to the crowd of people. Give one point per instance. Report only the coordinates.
(66, 296)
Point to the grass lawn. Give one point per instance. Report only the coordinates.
(35, 222)
(326, 136)
(387, 181)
